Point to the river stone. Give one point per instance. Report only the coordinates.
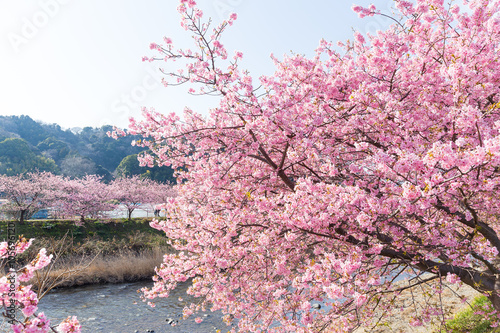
(170, 321)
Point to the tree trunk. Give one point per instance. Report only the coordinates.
(130, 214)
(21, 216)
(495, 297)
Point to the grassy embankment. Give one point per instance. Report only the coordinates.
(470, 319)
(112, 252)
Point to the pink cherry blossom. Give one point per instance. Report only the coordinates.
(452, 278)
(69, 325)
(15, 295)
(28, 193)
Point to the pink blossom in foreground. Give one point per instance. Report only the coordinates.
(69, 325)
(452, 278)
(17, 296)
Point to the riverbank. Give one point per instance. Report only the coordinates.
(449, 301)
(100, 251)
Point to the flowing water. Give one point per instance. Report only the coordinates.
(117, 308)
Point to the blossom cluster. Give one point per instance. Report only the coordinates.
(15, 295)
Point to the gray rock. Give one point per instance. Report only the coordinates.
(171, 321)
(316, 306)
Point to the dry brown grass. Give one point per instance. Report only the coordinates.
(126, 266)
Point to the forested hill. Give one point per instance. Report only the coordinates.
(27, 145)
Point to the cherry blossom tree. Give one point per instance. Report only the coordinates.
(87, 196)
(339, 174)
(133, 192)
(136, 191)
(16, 295)
(162, 194)
(27, 193)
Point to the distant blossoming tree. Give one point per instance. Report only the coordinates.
(85, 197)
(27, 193)
(133, 192)
(162, 193)
(338, 174)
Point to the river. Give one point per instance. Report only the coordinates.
(117, 308)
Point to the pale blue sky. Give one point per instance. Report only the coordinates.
(78, 62)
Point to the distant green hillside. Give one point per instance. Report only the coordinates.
(27, 145)
(17, 157)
